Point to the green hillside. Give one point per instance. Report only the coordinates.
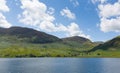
(26, 42)
(112, 45)
(79, 42)
(77, 39)
(110, 48)
(27, 35)
(12, 47)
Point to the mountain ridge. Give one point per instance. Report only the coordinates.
(31, 34)
(77, 39)
(27, 42)
(24, 32)
(113, 44)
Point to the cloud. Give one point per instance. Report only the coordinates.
(67, 13)
(36, 13)
(71, 30)
(75, 3)
(51, 11)
(109, 10)
(47, 26)
(4, 8)
(108, 25)
(74, 30)
(3, 22)
(98, 1)
(109, 16)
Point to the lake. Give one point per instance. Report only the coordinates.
(59, 65)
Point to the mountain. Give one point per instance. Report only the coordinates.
(16, 39)
(77, 39)
(27, 42)
(113, 44)
(28, 35)
(82, 43)
(98, 42)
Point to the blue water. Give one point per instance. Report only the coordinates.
(60, 65)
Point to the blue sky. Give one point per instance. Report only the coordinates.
(98, 20)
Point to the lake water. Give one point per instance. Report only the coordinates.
(59, 65)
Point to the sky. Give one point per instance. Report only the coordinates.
(97, 20)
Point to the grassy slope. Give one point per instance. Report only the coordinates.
(110, 48)
(39, 50)
(14, 47)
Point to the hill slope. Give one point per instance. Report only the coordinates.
(26, 42)
(79, 42)
(77, 39)
(27, 35)
(113, 44)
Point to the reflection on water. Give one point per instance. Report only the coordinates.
(59, 65)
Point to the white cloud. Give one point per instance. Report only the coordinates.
(37, 14)
(108, 25)
(75, 3)
(109, 16)
(74, 30)
(3, 22)
(47, 26)
(51, 10)
(4, 8)
(98, 1)
(109, 10)
(67, 13)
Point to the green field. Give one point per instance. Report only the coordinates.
(40, 50)
(51, 50)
